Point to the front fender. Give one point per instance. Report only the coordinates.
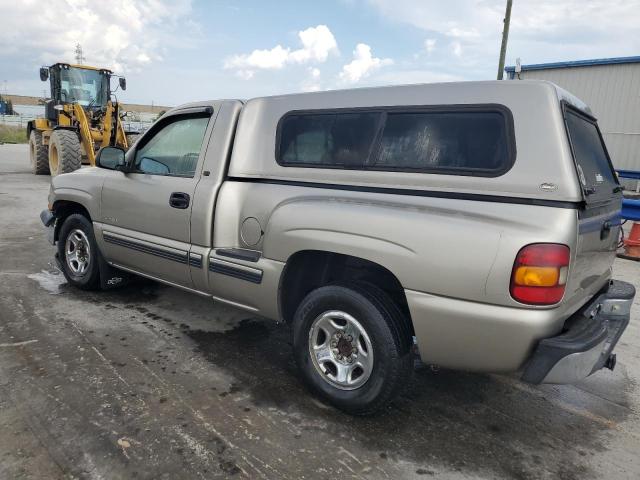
(83, 187)
(70, 195)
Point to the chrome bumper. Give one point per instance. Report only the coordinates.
(587, 342)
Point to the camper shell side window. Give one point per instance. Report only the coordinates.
(471, 140)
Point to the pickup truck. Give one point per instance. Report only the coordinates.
(474, 224)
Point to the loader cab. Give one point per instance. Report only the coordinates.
(87, 86)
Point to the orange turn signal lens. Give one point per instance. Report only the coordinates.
(536, 276)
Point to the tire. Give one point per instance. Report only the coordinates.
(38, 154)
(385, 346)
(64, 152)
(131, 139)
(80, 229)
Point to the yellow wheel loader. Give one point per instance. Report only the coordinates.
(80, 118)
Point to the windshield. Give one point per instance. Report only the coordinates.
(86, 87)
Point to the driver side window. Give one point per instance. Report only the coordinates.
(174, 149)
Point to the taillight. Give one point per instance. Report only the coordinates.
(539, 274)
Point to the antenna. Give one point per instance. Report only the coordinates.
(79, 55)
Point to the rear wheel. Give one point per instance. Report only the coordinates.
(38, 154)
(353, 346)
(64, 152)
(78, 253)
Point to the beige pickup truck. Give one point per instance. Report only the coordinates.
(473, 223)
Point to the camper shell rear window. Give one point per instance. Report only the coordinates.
(595, 170)
(472, 140)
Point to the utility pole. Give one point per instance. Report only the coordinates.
(505, 37)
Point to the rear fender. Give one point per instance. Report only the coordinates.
(316, 224)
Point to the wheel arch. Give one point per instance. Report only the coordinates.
(62, 209)
(306, 270)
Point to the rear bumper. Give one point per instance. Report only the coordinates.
(587, 341)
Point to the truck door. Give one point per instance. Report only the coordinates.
(146, 212)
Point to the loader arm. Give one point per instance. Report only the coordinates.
(121, 136)
(107, 126)
(85, 133)
(109, 137)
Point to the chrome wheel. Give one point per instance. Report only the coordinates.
(77, 252)
(341, 350)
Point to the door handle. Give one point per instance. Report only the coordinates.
(605, 230)
(179, 200)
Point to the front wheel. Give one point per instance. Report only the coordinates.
(353, 346)
(78, 253)
(64, 152)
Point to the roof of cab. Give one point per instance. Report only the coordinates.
(83, 67)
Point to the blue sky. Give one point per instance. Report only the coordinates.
(174, 51)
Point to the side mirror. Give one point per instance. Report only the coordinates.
(123, 83)
(111, 158)
(44, 74)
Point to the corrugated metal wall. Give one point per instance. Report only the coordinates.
(613, 93)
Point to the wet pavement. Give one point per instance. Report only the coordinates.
(151, 382)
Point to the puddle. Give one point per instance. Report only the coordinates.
(51, 281)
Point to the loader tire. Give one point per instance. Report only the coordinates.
(131, 139)
(38, 154)
(64, 152)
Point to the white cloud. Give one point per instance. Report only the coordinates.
(313, 82)
(430, 45)
(362, 65)
(458, 32)
(456, 48)
(245, 74)
(541, 30)
(317, 44)
(265, 59)
(124, 35)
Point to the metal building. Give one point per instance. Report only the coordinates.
(611, 87)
